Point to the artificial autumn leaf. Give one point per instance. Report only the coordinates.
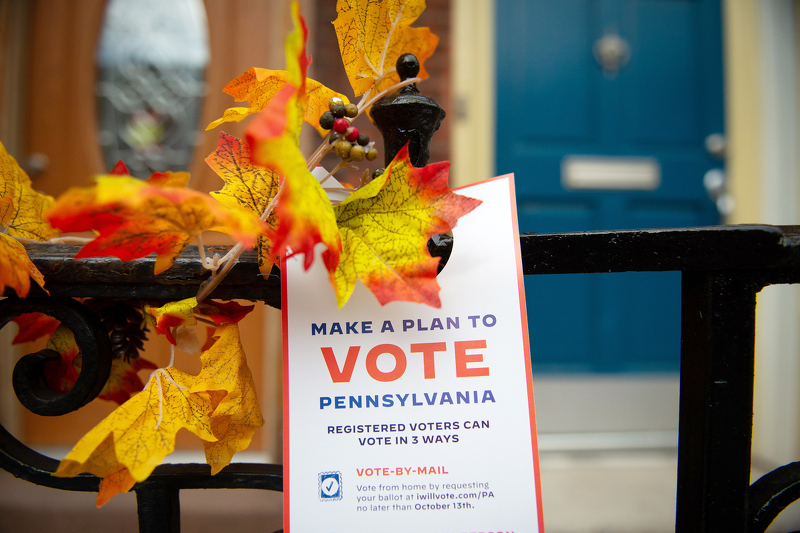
(237, 415)
(6, 210)
(385, 228)
(16, 269)
(210, 340)
(123, 380)
(246, 186)
(62, 374)
(22, 213)
(172, 315)
(113, 484)
(258, 85)
(224, 312)
(34, 326)
(304, 212)
(372, 35)
(120, 169)
(135, 218)
(167, 318)
(141, 432)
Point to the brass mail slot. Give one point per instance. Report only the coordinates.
(610, 173)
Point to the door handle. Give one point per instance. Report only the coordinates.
(36, 164)
(611, 52)
(716, 145)
(716, 186)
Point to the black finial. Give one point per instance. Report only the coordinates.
(407, 66)
(407, 117)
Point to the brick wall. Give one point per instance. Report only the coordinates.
(327, 68)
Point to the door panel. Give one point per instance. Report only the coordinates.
(555, 100)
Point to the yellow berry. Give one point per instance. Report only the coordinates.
(342, 148)
(357, 153)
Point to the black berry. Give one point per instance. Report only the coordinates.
(339, 110)
(326, 120)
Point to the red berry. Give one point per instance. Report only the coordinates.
(340, 125)
(353, 135)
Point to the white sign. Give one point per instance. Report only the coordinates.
(405, 417)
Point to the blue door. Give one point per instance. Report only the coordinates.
(604, 108)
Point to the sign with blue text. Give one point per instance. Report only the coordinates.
(405, 417)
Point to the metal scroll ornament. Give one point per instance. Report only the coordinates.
(92, 339)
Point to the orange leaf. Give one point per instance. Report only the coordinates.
(304, 212)
(246, 186)
(257, 86)
(21, 213)
(372, 35)
(120, 169)
(16, 270)
(385, 227)
(113, 484)
(260, 86)
(224, 312)
(33, 326)
(171, 315)
(135, 218)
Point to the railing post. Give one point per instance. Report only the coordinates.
(716, 401)
(159, 508)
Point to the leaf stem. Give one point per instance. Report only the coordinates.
(202, 250)
(389, 37)
(319, 153)
(232, 257)
(54, 240)
(334, 171)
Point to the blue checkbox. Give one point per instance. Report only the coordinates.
(330, 486)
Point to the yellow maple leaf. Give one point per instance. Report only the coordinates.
(237, 415)
(16, 269)
(21, 213)
(372, 35)
(219, 406)
(247, 186)
(141, 432)
(385, 227)
(258, 85)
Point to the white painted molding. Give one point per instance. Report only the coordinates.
(473, 127)
(776, 425)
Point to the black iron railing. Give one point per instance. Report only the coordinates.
(723, 269)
